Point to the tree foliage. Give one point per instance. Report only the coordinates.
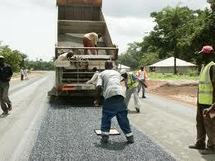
(12, 57)
(40, 65)
(131, 57)
(179, 32)
(17, 60)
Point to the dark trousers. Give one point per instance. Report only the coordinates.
(115, 106)
(98, 94)
(22, 76)
(4, 99)
(141, 85)
(204, 126)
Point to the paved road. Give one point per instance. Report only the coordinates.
(38, 130)
(170, 124)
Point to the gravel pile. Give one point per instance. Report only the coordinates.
(67, 133)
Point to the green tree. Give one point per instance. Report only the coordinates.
(12, 57)
(179, 32)
(132, 56)
(40, 65)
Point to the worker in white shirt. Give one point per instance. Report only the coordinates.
(65, 56)
(91, 40)
(114, 104)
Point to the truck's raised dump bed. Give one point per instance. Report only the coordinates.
(76, 18)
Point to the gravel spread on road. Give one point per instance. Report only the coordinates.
(67, 133)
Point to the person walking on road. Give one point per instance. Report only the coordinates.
(93, 81)
(5, 76)
(91, 40)
(26, 73)
(131, 85)
(22, 74)
(114, 104)
(206, 99)
(142, 76)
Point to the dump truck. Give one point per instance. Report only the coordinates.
(76, 18)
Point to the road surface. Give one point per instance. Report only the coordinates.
(39, 130)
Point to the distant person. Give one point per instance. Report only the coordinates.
(142, 76)
(5, 76)
(205, 105)
(131, 88)
(22, 74)
(114, 104)
(25, 73)
(91, 40)
(93, 81)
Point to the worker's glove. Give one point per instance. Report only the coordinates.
(205, 112)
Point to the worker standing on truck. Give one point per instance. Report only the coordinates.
(205, 105)
(114, 104)
(93, 81)
(131, 85)
(5, 76)
(91, 40)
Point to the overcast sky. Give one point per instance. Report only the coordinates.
(30, 25)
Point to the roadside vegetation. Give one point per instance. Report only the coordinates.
(171, 76)
(18, 60)
(179, 32)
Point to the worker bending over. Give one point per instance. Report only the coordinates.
(91, 40)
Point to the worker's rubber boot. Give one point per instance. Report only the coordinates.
(197, 146)
(137, 110)
(130, 139)
(104, 139)
(208, 150)
(5, 113)
(9, 107)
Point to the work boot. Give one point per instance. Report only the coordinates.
(197, 146)
(130, 139)
(104, 139)
(137, 109)
(9, 107)
(144, 96)
(208, 150)
(5, 113)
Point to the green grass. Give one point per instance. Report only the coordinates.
(171, 76)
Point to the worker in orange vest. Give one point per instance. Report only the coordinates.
(142, 77)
